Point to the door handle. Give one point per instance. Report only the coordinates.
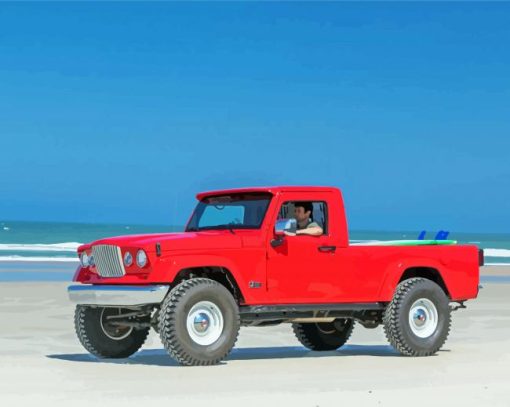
(276, 242)
(325, 249)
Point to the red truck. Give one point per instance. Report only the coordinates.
(243, 260)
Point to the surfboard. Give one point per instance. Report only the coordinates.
(406, 243)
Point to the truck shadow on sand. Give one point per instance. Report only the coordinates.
(158, 357)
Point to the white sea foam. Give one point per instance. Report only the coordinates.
(40, 247)
(363, 242)
(39, 258)
(497, 264)
(72, 246)
(496, 252)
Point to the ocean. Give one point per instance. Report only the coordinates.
(57, 242)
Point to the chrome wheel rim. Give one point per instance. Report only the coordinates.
(116, 333)
(423, 318)
(204, 323)
(326, 328)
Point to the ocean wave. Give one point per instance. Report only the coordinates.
(496, 252)
(72, 246)
(39, 258)
(497, 264)
(40, 247)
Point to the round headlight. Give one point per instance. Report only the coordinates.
(84, 260)
(128, 259)
(141, 258)
(91, 261)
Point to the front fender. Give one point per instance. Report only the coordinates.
(170, 266)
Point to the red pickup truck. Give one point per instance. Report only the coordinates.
(263, 256)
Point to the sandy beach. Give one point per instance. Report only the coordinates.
(299, 157)
(42, 362)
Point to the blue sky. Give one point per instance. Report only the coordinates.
(122, 112)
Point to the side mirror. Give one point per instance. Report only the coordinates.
(285, 225)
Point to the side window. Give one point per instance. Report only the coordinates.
(319, 213)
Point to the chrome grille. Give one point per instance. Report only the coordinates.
(108, 260)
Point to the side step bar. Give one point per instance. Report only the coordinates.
(292, 311)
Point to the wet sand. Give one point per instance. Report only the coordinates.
(495, 271)
(42, 363)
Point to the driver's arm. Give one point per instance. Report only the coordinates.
(312, 231)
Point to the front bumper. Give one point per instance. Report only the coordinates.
(117, 295)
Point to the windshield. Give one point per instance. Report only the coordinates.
(236, 211)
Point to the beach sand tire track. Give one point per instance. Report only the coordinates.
(396, 318)
(324, 336)
(173, 316)
(87, 322)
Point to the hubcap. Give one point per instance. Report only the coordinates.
(201, 322)
(204, 323)
(423, 318)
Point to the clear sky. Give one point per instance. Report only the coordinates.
(122, 112)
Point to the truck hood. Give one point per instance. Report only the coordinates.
(212, 239)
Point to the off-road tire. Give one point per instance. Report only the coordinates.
(87, 323)
(396, 318)
(173, 322)
(324, 336)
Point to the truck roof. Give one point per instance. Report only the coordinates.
(271, 189)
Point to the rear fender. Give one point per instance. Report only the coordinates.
(395, 273)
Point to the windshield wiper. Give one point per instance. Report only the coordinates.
(229, 226)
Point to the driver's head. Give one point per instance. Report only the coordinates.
(303, 211)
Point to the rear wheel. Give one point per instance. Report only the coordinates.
(101, 336)
(324, 336)
(417, 320)
(199, 322)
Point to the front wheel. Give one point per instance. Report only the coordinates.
(101, 336)
(199, 322)
(417, 320)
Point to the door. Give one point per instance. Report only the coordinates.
(303, 268)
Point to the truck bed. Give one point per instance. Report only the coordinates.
(377, 267)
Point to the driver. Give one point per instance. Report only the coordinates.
(305, 224)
